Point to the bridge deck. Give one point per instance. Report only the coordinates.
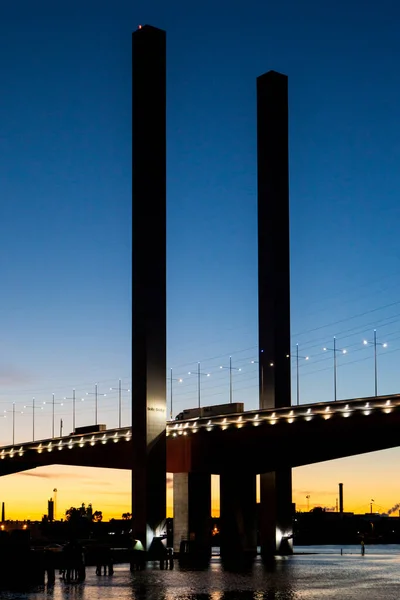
(320, 431)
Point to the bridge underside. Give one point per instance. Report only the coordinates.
(318, 439)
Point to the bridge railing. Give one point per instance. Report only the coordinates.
(289, 414)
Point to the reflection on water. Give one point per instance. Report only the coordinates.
(318, 573)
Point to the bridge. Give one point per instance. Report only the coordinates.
(222, 442)
(237, 446)
(268, 441)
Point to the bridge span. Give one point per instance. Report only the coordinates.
(310, 433)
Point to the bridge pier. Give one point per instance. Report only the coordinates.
(149, 331)
(274, 293)
(238, 518)
(276, 513)
(192, 513)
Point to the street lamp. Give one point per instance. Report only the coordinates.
(375, 343)
(297, 372)
(13, 421)
(230, 377)
(199, 374)
(120, 390)
(95, 394)
(335, 350)
(171, 379)
(73, 398)
(261, 371)
(32, 406)
(53, 405)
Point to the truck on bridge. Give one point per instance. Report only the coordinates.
(210, 411)
(89, 429)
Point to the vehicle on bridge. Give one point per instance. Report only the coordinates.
(89, 429)
(210, 411)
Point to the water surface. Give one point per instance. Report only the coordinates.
(314, 572)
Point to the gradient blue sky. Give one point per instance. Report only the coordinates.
(65, 186)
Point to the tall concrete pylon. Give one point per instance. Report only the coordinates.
(148, 283)
(274, 295)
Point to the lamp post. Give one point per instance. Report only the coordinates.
(13, 421)
(32, 406)
(335, 350)
(73, 398)
(120, 390)
(230, 377)
(96, 395)
(375, 344)
(257, 362)
(199, 374)
(171, 379)
(53, 403)
(298, 373)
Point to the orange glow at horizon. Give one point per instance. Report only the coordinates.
(364, 477)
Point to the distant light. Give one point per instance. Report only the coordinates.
(271, 364)
(365, 342)
(384, 345)
(307, 357)
(139, 27)
(325, 349)
(344, 351)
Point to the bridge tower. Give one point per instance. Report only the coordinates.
(148, 283)
(274, 295)
(237, 485)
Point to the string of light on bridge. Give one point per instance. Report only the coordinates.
(216, 385)
(259, 418)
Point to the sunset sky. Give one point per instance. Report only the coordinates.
(65, 189)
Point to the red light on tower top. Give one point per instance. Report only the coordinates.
(139, 27)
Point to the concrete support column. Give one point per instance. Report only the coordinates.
(192, 512)
(276, 518)
(149, 325)
(238, 522)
